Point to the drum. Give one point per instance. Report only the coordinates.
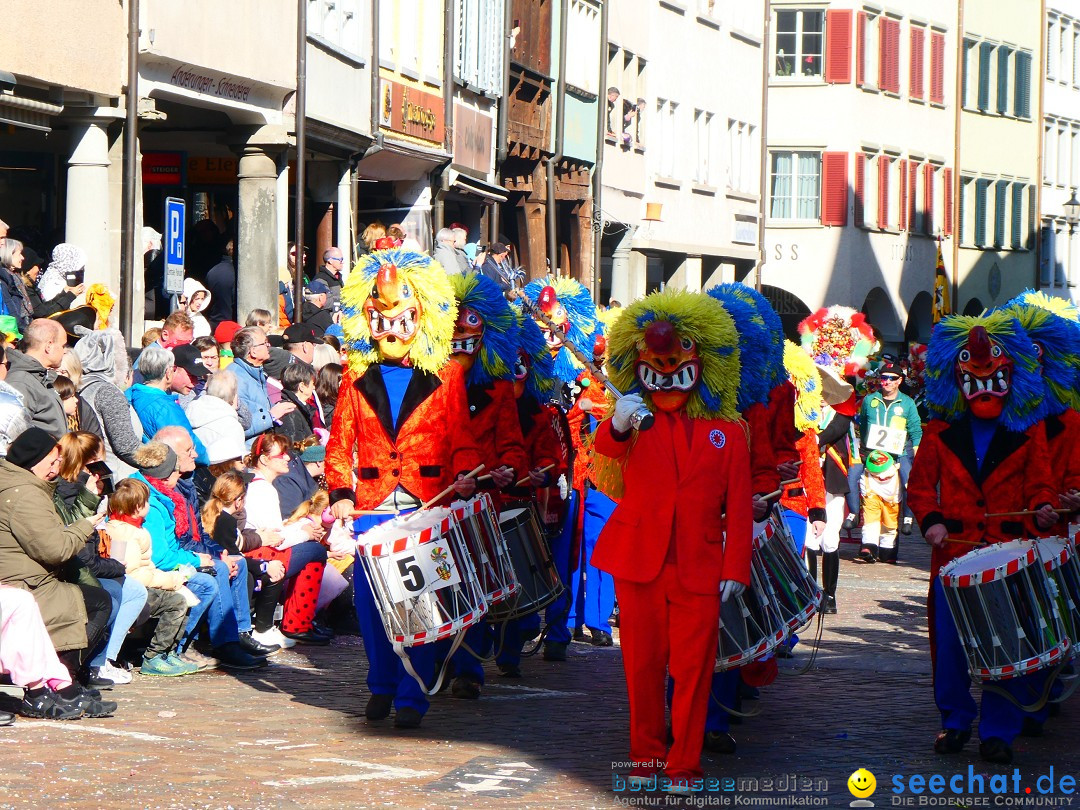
(1008, 622)
(1059, 558)
(532, 562)
(750, 625)
(422, 577)
(486, 546)
(795, 595)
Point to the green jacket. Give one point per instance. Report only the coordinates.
(874, 411)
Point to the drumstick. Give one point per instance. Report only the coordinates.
(362, 512)
(966, 542)
(789, 481)
(1023, 512)
(449, 489)
(525, 480)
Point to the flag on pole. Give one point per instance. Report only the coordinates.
(942, 306)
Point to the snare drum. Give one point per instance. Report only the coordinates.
(750, 625)
(533, 564)
(795, 595)
(1006, 618)
(1059, 558)
(422, 577)
(486, 546)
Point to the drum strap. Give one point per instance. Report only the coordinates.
(403, 654)
(1044, 697)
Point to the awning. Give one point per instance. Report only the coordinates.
(27, 112)
(471, 186)
(393, 161)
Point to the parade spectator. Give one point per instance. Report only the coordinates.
(177, 330)
(447, 253)
(32, 268)
(106, 374)
(194, 300)
(221, 284)
(250, 353)
(330, 273)
(372, 234)
(261, 318)
(318, 313)
(300, 340)
(327, 384)
(14, 300)
(298, 381)
(155, 400)
(497, 266)
(323, 354)
(32, 370)
(215, 422)
(207, 347)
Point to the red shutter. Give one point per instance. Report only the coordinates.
(883, 54)
(928, 198)
(860, 50)
(838, 46)
(834, 180)
(937, 68)
(860, 188)
(913, 193)
(883, 192)
(889, 55)
(947, 213)
(917, 39)
(901, 198)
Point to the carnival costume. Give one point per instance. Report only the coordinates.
(984, 453)
(665, 543)
(402, 413)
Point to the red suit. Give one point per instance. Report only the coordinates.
(759, 421)
(495, 427)
(782, 417)
(665, 546)
(541, 444)
(1063, 445)
(431, 446)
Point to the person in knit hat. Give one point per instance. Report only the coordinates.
(880, 490)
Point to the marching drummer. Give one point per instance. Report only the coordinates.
(397, 421)
(485, 345)
(983, 458)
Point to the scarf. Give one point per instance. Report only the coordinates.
(181, 508)
(131, 520)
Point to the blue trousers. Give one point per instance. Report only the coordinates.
(230, 613)
(797, 524)
(128, 597)
(205, 587)
(558, 611)
(386, 673)
(723, 692)
(593, 589)
(952, 685)
(479, 639)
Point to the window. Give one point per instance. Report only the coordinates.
(795, 185)
(1063, 50)
(981, 188)
(665, 113)
(928, 210)
(914, 215)
(1062, 155)
(967, 188)
(966, 71)
(1004, 54)
(918, 39)
(430, 58)
(702, 146)
(582, 45)
(1049, 133)
(1001, 190)
(889, 55)
(1052, 28)
(1076, 57)
(937, 68)
(861, 161)
(1022, 91)
(478, 57)
(883, 166)
(799, 43)
(1074, 173)
(1017, 215)
(947, 196)
(626, 111)
(336, 22)
(742, 152)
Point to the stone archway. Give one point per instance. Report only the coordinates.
(973, 307)
(881, 314)
(920, 322)
(789, 307)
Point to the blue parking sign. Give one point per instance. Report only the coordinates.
(174, 245)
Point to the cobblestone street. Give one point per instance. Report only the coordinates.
(294, 735)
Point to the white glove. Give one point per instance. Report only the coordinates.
(730, 588)
(624, 409)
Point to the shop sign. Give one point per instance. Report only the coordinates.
(162, 168)
(472, 138)
(411, 112)
(211, 171)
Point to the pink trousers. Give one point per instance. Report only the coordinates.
(26, 652)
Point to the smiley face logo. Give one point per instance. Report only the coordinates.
(862, 783)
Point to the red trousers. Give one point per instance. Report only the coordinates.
(664, 627)
(302, 591)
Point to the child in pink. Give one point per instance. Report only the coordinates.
(26, 652)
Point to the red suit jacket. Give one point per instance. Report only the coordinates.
(807, 497)
(1063, 445)
(765, 478)
(495, 426)
(432, 445)
(782, 427)
(679, 486)
(537, 423)
(947, 486)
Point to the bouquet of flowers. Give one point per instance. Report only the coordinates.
(839, 337)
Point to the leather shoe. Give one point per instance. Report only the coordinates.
(407, 717)
(996, 750)
(6, 718)
(905, 527)
(232, 656)
(465, 687)
(719, 742)
(829, 605)
(579, 634)
(308, 637)
(554, 651)
(1031, 728)
(952, 740)
(602, 639)
(849, 523)
(253, 647)
(510, 670)
(378, 707)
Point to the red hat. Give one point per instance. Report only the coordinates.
(226, 330)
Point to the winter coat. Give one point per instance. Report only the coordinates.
(73, 501)
(166, 552)
(202, 326)
(251, 386)
(138, 560)
(295, 486)
(16, 302)
(334, 282)
(299, 424)
(216, 423)
(42, 308)
(157, 409)
(221, 283)
(318, 318)
(34, 545)
(452, 259)
(34, 382)
(205, 544)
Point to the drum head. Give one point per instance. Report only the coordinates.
(986, 564)
(1054, 551)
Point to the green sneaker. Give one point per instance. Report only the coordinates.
(187, 668)
(162, 665)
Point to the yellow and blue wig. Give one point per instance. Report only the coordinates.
(541, 380)
(435, 330)
(806, 378)
(698, 317)
(584, 325)
(498, 348)
(1059, 342)
(773, 368)
(1059, 306)
(756, 343)
(943, 395)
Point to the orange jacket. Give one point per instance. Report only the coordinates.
(495, 426)
(807, 497)
(679, 488)
(432, 445)
(947, 486)
(763, 472)
(782, 416)
(580, 430)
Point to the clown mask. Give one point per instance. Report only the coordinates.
(668, 366)
(521, 372)
(983, 372)
(558, 321)
(468, 333)
(393, 313)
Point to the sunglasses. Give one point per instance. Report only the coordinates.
(889, 377)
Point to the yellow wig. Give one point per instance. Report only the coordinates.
(807, 381)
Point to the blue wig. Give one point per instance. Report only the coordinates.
(1058, 342)
(541, 380)
(497, 354)
(772, 369)
(755, 344)
(585, 327)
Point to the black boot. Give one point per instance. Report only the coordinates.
(811, 563)
(830, 572)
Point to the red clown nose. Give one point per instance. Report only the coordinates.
(660, 336)
(548, 299)
(979, 345)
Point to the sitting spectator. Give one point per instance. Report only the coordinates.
(35, 546)
(303, 558)
(31, 274)
(32, 371)
(193, 301)
(210, 354)
(177, 330)
(262, 318)
(79, 491)
(167, 599)
(298, 387)
(68, 264)
(151, 336)
(154, 400)
(167, 520)
(318, 309)
(250, 352)
(274, 368)
(106, 373)
(300, 341)
(324, 354)
(214, 420)
(327, 385)
(219, 515)
(69, 401)
(297, 484)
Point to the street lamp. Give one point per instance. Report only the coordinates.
(1072, 217)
